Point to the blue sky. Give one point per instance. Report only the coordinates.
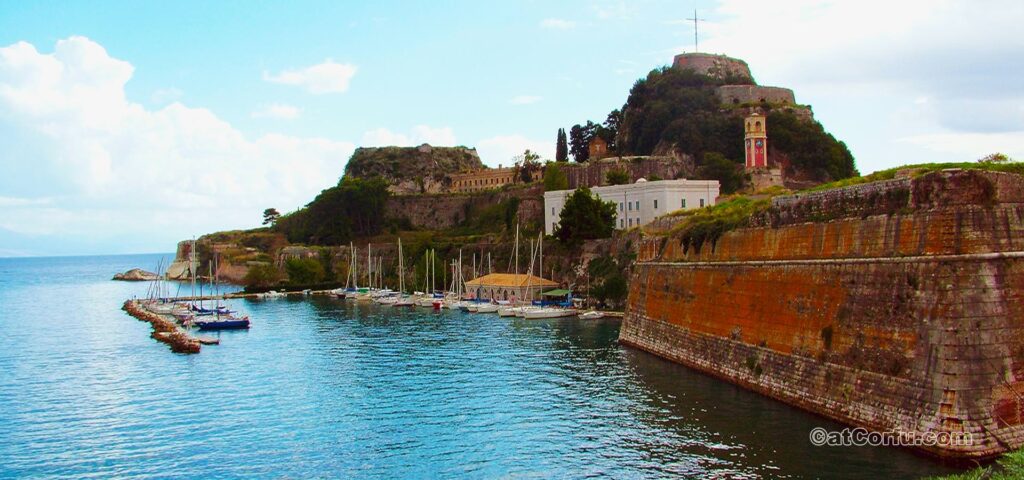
(127, 126)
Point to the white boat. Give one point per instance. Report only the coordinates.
(427, 302)
(161, 308)
(471, 307)
(270, 294)
(486, 308)
(404, 301)
(591, 315)
(521, 311)
(548, 313)
(507, 311)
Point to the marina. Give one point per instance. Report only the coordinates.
(320, 384)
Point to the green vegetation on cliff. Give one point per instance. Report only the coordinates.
(1009, 467)
(708, 224)
(1002, 164)
(353, 208)
(678, 109)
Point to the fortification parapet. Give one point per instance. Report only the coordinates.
(717, 66)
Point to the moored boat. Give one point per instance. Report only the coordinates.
(487, 308)
(548, 313)
(223, 322)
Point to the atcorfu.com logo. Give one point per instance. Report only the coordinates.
(862, 437)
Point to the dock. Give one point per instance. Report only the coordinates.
(167, 330)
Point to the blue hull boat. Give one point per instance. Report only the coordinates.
(226, 324)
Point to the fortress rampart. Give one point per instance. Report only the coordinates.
(895, 305)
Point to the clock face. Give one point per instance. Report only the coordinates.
(759, 143)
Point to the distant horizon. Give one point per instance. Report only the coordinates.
(5, 257)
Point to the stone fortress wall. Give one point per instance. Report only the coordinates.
(905, 313)
(717, 66)
(741, 94)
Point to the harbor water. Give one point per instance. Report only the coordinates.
(321, 387)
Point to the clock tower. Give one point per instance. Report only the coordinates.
(755, 141)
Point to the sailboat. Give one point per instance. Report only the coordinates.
(403, 300)
(221, 318)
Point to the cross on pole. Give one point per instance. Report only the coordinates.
(695, 20)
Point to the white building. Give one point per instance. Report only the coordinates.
(638, 203)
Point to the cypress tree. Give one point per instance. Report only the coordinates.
(561, 147)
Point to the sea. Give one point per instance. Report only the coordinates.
(323, 388)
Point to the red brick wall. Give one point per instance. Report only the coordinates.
(911, 320)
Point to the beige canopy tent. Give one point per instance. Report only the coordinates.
(508, 286)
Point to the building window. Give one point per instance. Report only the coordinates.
(631, 206)
(684, 203)
(655, 204)
(621, 207)
(631, 222)
(552, 210)
(554, 226)
(622, 223)
(638, 205)
(702, 202)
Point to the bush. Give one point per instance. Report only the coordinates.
(262, 275)
(729, 174)
(304, 270)
(617, 176)
(554, 178)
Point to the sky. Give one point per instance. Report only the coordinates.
(128, 126)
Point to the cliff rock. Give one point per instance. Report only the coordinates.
(413, 170)
(135, 275)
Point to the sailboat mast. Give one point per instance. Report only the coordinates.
(516, 254)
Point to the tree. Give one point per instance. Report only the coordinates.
(270, 216)
(526, 164)
(995, 158)
(610, 130)
(262, 275)
(352, 208)
(585, 217)
(617, 176)
(579, 144)
(561, 147)
(304, 271)
(554, 178)
(728, 173)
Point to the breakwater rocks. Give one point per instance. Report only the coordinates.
(136, 275)
(164, 330)
(891, 306)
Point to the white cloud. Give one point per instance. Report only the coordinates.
(869, 59)
(163, 96)
(525, 99)
(277, 110)
(420, 134)
(502, 149)
(971, 146)
(557, 23)
(326, 77)
(23, 202)
(130, 171)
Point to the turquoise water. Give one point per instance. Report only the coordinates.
(324, 388)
